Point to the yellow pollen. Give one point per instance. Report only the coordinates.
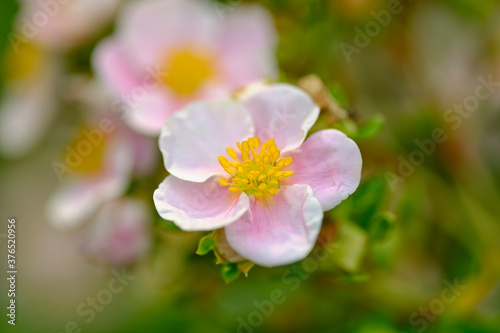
(89, 155)
(255, 169)
(232, 153)
(186, 70)
(23, 61)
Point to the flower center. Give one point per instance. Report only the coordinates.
(187, 70)
(23, 62)
(88, 156)
(255, 170)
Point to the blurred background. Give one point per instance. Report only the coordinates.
(415, 249)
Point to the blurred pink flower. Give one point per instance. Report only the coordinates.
(116, 154)
(119, 232)
(271, 196)
(28, 102)
(62, 25)
(166, 54)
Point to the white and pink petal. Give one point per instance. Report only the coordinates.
(284, 113)
(246, 46)
(115, 68)
(192, 139)
(151, 30)
(280, 231)
(147, 114)
(198, 206)
(119, 232)
(330, 163)
(62, 25)
(78, 199)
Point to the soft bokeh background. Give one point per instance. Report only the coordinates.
(395, 245)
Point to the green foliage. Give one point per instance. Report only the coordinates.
(205, 245)
(354, 278)
(339, 95)
(349, 246)
(230, 272)
(348, 127)
(168, 225)
(364, 204)
(371, 128)
(366, 131)
(381, 226)
(245, 266)
(9, 7)
(473, 8)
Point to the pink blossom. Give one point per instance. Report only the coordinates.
(62, 25)
(244, 166)
(166, 54)
(119, 232)
(28, 101)
(116, 155)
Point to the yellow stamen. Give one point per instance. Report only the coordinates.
(259, 173)
(245, 155)
(90, 153)
(231, 152)
(187, 70)
(273, 190)
(23, 61)
(246, 146)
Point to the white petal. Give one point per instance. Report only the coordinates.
(284, 113)
(152, 29)
(192, 139)
(278, 232)
(198, 206)
(27, 109)
(247, 46)
(330, 163)
(78, 198)
(119, 233)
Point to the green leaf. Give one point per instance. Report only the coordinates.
(349, 246)
(364, 204)
(169, 225)
(338, 94)
(371, 128)
(381, 226)
(205, 245)
(219, 258)
(230, 272)
(368, 199)
(348, 127)
(355, 278)
(7, 37)
(245, 267)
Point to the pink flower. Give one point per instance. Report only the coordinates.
(28, 103)
(166, 54)
(270, 192)
(62, 25)
(96, 167)
(119, 232)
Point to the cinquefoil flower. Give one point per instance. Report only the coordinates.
(63, 25)
(97, 166)
(28, 100)
(244, 166)
(168, 53)
(119, 232)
